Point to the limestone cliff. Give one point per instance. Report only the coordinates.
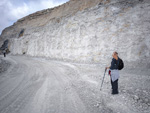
(85, 31)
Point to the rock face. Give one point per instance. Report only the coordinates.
(85, 31)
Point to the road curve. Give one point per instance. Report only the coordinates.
(37, 86)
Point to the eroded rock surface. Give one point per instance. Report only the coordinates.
(85, 31)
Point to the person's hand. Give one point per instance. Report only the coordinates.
(107, 67)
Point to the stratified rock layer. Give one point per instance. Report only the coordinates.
(85, 31)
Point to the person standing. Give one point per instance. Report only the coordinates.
(4, 52)
(114, 72)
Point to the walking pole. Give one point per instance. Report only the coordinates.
(103, 79)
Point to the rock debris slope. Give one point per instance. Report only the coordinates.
(85, 31)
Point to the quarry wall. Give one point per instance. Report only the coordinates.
(85, 31)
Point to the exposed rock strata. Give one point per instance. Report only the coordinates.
(85, 31)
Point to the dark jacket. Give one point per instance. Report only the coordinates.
(114, 64)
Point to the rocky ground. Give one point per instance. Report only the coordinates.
(133, 87)
(37, 85)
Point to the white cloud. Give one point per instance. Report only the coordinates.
(2, 2)
(20, 11)
(48, 3)
(12, 10)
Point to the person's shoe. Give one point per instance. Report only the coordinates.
(114, 93)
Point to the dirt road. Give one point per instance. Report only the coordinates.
(36, 85)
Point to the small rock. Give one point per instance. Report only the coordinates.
(123, 91)
(146, 100)
(97, 105)
(123, 97)
(136, 97)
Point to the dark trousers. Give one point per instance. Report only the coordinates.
(114, 86)
(4, 54)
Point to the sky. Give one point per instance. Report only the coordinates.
(12, 10)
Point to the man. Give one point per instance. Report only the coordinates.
(114, 72)
(4, 52)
